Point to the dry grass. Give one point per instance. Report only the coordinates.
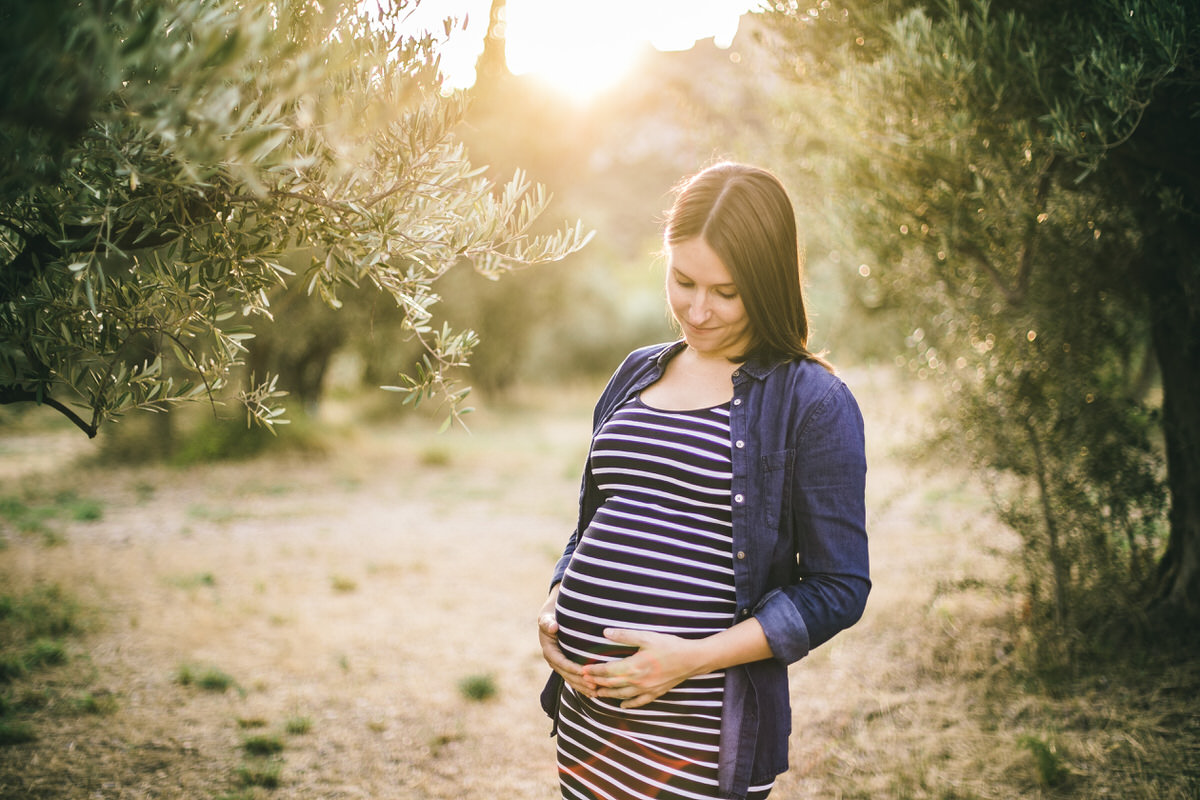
(359, 591)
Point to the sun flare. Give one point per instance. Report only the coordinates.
(584, 48)
(580, 48)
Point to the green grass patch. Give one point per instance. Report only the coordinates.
(343, 585)
(12, 666)
(477, 687)
(266, 774)
(30, 516)
(32, 626)
(435, 456)
(45, 653)
(25, 518)
(14, 731)
(263, 745)
(251, 722)
(97, 703)
(80, 509)
(194, 581)
(208, 678)
(298, 726)
(1046, 760)
(44, 611)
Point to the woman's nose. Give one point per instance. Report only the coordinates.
(698, 309)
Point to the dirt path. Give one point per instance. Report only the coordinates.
(357, 591)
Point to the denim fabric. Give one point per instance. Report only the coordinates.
(799, 537)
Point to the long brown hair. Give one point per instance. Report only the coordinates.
(743, 213)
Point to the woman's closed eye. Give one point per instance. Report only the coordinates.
(727, 293)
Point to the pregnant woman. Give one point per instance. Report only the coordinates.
(721, 524)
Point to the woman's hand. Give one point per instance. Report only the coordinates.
(571, 672)
(661, 663)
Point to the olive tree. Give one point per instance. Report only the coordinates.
(160, 158)
(1022, 182)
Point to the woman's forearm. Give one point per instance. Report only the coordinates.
(744, 642)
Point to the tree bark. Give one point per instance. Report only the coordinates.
(1159, 161)
(1176, 332)
(1057, 562)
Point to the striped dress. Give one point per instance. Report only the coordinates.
(657, 556)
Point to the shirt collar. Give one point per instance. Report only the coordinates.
(755, 367)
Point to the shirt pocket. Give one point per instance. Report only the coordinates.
(777, 469)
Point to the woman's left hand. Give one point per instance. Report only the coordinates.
(662, 662)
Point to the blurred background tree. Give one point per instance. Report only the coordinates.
(1019, 186)
(162, 162)
(612, 160)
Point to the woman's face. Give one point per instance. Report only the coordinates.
(705, 301)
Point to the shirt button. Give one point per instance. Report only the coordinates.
(745, 612)
(740, 444)
(737, 372)
(741, 555)
(737, 498)
(737, 401)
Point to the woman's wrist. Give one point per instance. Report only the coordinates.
(741, 644)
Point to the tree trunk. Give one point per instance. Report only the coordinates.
(1176, 331)
(492, 66)
(1057, 562)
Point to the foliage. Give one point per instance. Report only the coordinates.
(160, 160)
(580, 318)
(218, 440)
(1004, 190)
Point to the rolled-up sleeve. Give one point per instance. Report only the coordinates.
(828, 522)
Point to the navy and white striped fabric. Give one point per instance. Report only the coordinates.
(657, 556)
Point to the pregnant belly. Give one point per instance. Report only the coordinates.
(641, 580)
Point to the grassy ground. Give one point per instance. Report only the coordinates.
(359, 624)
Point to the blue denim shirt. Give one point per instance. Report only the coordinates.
(799, 537)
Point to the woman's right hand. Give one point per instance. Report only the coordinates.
(571, 672)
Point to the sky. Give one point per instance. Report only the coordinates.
(578, 46)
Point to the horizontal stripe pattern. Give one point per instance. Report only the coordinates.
(657, 556)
